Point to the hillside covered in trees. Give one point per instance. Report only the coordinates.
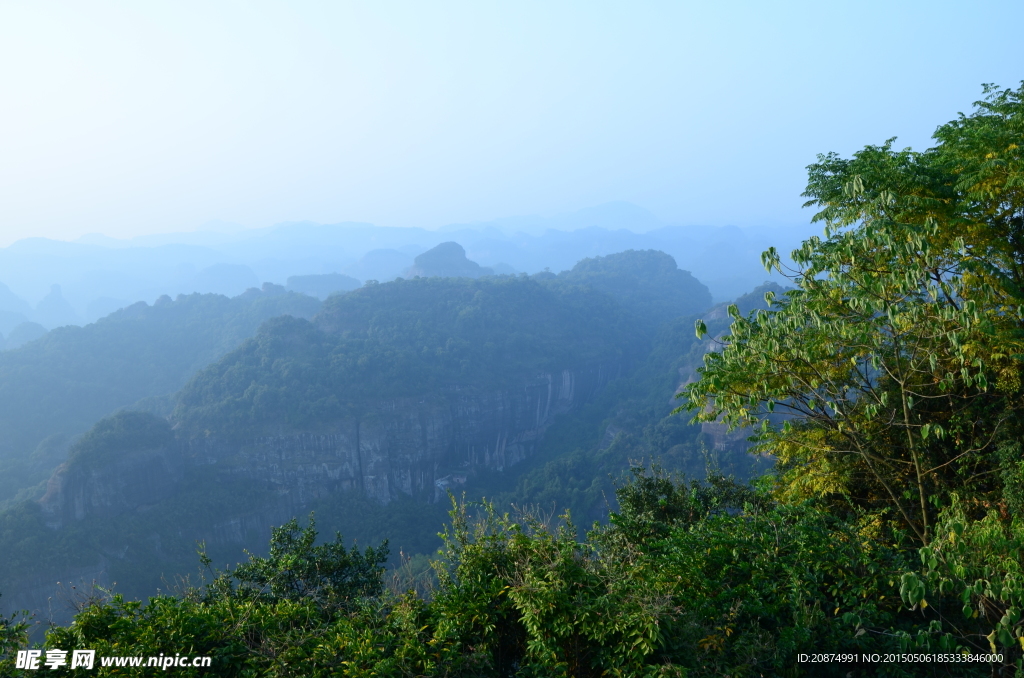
(58, 386)
(886, 384)
(424, 335)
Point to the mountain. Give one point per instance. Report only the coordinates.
(98, 275)
(427, 338)
(11, 319)
(391, 393)
(55, 311)
(447, 260)
(13, 310)
(22, 334)
(524, 389)
(381, 265)
(322, 286)
(227, 279)
(584, 456)
(62, 382)
(12, 303)
(647, 282)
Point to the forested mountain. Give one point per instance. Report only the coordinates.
(647, 282)
(408, 338)
(368, 413)
(415, 337)
(59, 385)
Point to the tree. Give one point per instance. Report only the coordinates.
(13, 634)
(295, 570)
(889, 377)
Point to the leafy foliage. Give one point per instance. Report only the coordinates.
(295, 570)
(895, 360)
(652, 504)
(724, 590)
(13, 636)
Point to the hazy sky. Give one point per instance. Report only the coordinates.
(141, 117)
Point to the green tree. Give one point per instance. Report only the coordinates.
(296, 569)
(13, 635)
(528, 598)
(887, 378)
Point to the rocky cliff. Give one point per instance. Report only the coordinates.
(133, 481)
(406, 446)
(401, 446)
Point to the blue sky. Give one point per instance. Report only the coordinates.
(133, 118)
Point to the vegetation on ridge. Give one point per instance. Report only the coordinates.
(406, 338)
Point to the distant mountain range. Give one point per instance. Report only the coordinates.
(97, 274)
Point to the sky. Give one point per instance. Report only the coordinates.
(131, 118)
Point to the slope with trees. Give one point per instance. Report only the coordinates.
(59, 385)
(426, 335)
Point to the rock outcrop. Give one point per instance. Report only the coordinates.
(401, 446)
(134, 481)
(406, 446)
(447, 260)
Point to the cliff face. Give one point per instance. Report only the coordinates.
(135, 481)
(408, 446)
(411, 446)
